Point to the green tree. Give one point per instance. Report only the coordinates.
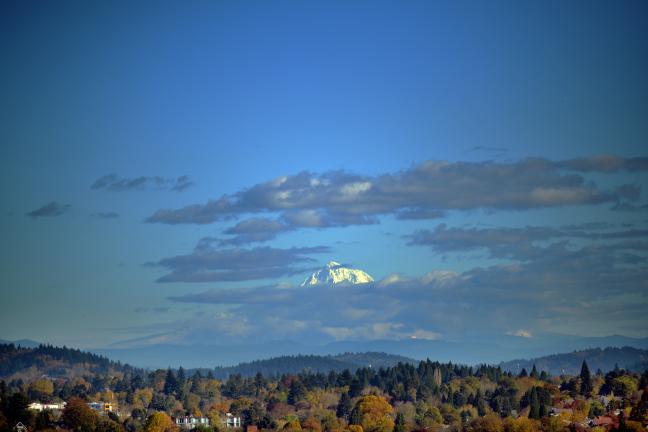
(344, 406)
(17, 410)
(534, 372)
(44, 420)
(297, 392)
(400, 425)
(171, 385)
(534, 404)
(640, 411)
(585, 380)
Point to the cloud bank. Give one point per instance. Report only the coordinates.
(576, 281)
(425, 191)
(208, 264)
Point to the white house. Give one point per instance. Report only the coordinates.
(37, 406)
(231, 421)
(190, 422)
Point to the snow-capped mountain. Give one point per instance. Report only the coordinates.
(335, 273)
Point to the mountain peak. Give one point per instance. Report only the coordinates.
(335, 273)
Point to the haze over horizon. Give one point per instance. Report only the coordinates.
(172, 175)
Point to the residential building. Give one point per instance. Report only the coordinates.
(231, 421)
(37, 406)
(190, 422)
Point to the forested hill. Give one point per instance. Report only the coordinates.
(312, 363)
(570, 363)
(46, 360)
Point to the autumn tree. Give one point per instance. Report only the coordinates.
(41, 389)
(311, 424)
(292, 425)
(78, 416)
(373, 414)
(488, 423)
(159, 422)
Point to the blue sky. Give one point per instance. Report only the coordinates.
(335, 96)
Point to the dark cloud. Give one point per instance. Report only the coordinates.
(105, 215)
(208, 264)
(605, 164)
(339, 198)
(49, 210)
(256, 230)
(514, 243)
(112, 182)
(417, 214)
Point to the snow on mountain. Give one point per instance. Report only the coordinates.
(335, 273)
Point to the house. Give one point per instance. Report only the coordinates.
(231, 421)
(190, 422)
(102, 407)
(37, 406)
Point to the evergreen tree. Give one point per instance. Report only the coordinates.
(355, 389)
(181, 377)
(344, 406)
(534, 404)
(524, 373)
(480, 403)
(170, 383)
(586, 380)
(534, 372)
(17, 410)
(640, 411)
(297, 392)
(195, 382)
(400, 425)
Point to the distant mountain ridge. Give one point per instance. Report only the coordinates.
(312, 363)
(46, 360)
(570, 363)
(491, 350)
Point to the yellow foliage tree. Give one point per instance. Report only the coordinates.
(489, 423)
(311, 424)
(292, 425)
(159, 422)
(41, 388)
(520, 424)
(373, 414)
